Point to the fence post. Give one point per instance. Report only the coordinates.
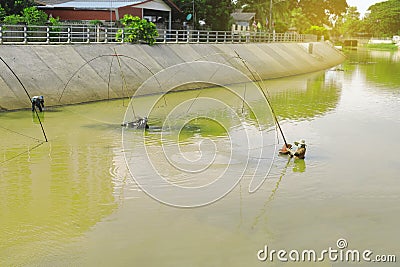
(47, 35)
(176, 36)
(123, 35)
(106, 34)
(1, 34)
(165, 36)
(25, 35)
(69, 35)
(87, 35)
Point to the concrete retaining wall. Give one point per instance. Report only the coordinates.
(67, 74)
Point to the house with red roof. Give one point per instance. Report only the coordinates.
(157, 11)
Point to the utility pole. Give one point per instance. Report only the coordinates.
(194, 17)
(270, 16)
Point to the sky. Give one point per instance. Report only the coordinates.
(363, 5)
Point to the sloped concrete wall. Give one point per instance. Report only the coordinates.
(68, 74)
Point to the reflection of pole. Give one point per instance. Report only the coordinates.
(272, 195)
(270, 15)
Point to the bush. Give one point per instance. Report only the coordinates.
(55, 24)
(96, 22)
(30, 16)
(13, 19)
(318, 31)
(382, 46)
(281, 27)
(33, 16)
(137, 30)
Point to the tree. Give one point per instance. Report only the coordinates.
(322, 12)
(280, 12)
(216, 14)
(299, 20)
(15, 7)
(350, 24)
(384, 18)
(137, 30)
(318, 31)
(2, 13)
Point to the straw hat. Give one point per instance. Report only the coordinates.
(300, 143)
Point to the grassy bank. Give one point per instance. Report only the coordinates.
(382, 46)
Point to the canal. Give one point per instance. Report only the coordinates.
(98, 194)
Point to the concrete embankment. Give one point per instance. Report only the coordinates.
(67, 74)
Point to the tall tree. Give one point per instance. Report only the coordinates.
(15, 7)
(299, 20)
(384, 18)
(323, 11)
(280, 11)
(216, 14)
(350, 24)
(2, 13)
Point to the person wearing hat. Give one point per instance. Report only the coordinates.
(301, 150)
(38, 101)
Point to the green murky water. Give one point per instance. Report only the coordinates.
(72, 201)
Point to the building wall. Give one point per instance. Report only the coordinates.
(70, 14)
(130, 10)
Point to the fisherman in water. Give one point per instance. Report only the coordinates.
(138, 124)
(300, 153)
(301, 150)
(37, 101)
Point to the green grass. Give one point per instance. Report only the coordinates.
(382, 46)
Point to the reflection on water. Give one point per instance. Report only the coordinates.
(55, 192)
(72, 201)
(299, 165)
(299, 98)
(383, 67)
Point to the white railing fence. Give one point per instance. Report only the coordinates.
(67, 34)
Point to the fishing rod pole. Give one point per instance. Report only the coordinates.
(109, 80)
(124, 82)
(30, 99)
(269, 102)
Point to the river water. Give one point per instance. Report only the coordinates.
(96, 195)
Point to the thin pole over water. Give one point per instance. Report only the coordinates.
(30, 99)
(269, 102)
